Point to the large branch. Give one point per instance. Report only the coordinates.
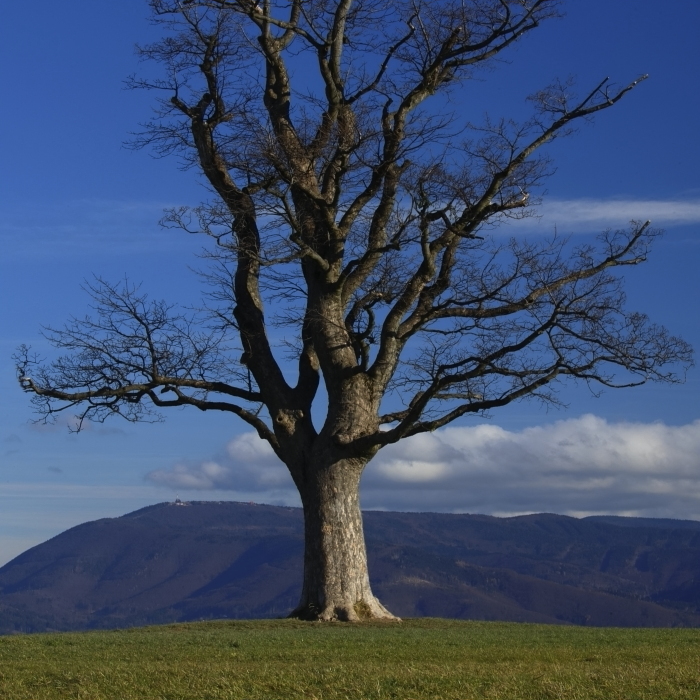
(397, 327)
(110, 399)
(386, 173)
(408, 428)
(257, 353)
(449, 58)
(422, 317)
(574, 327)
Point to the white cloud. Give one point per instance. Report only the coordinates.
(578, 466)
(598, 214)
(248, 465)
(582, 465)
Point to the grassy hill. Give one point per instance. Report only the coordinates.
(427, 659)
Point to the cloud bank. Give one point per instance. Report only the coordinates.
(578, 467)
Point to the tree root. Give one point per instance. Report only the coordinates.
(361, 611)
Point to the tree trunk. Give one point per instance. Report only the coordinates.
(336, 581)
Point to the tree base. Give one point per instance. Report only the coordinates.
(359, 612)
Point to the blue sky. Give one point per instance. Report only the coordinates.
(74, 202)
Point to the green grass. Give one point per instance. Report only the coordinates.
(416, 660)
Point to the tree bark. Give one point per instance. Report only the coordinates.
(336, 580)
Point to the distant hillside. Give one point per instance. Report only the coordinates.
(232, 560)
(666, 523)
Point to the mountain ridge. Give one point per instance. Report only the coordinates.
(202, 560)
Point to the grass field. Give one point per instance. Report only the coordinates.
(416, 660)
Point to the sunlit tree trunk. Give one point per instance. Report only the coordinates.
(336, 581)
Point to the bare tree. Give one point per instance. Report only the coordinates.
(348, 198)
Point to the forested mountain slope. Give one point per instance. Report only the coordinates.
(224, 559)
